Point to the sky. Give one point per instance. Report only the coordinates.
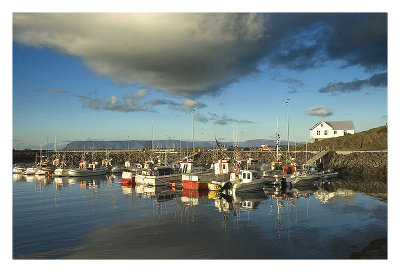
(108, 76)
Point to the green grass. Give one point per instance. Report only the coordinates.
(372, 139)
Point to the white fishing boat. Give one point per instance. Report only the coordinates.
(117, 169)
(30, 171)
(43, 171)
(61, 172)
(18, 170)
(309, 175)
(247, 181)
(86, 172)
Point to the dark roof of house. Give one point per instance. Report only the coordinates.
(338, 125)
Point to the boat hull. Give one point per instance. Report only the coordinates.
(187, 184)
(86, 173)
(214, 187)
(30, 171)
(156, 180)
(61, 172)
(249, 187)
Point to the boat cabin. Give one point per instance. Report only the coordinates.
(289, 169)
(185, 166)
(247, 176)
(106, 162)
(222, 167)
(163, 170)
(276, 165)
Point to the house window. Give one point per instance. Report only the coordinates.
(322, 125)
(334, 132)
(318, 132)
(325, 132)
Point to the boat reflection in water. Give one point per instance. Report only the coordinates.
(18, 177)
(127, 189)
(192, 197)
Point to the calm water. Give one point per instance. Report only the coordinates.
(86, 218)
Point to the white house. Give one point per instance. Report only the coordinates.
(329, 129)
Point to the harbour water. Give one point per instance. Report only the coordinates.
(97, 218)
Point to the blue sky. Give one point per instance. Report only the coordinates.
(108, 76)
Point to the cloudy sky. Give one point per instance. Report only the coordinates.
(107, 76)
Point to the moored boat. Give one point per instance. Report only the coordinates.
(18, 170)
(30, 171)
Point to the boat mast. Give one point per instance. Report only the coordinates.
(306, 147)
(152, 135)
(277, 137)
(287, 120)
(193, 131)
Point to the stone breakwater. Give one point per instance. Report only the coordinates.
(360, 171)
(118, 157)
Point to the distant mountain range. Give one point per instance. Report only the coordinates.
(140, 144)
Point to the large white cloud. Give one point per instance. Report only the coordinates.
(184, 54)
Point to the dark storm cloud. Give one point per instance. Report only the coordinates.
(309, 40)
(191, 54)
(377, 80)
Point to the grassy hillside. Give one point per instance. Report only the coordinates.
(373, 139)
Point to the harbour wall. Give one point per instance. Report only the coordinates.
(360, 171)
(348, 161)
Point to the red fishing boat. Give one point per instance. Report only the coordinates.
(127, 178)
(196, 185)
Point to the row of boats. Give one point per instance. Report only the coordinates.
(224, 175)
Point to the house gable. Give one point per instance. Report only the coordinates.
(336, 125)
(319, 123)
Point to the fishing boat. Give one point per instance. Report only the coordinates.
(30, 171)
(127, 178)
(43, 171)
(61, 172)
(157, 176)
(213, 186)
(247, 181)
(205, 180)
(18, 170)
(87, 170)
(307, 175)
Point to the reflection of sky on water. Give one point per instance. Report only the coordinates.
(99, 218)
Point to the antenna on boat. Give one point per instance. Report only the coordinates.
(277, 139)
(193, 131)
(287, 120)
(152, 135)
